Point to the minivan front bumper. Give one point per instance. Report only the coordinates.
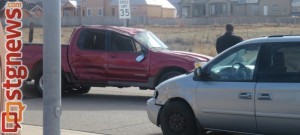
(153, 111)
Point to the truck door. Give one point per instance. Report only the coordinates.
(122, 64)
(89, 56)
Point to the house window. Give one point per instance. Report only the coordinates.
(84, 2)
(100, 12)
(199, 10)
(89, 12)
(275, 8)
(185, 12)
(113, 12)
(254, 10)
(134, 8)
(218, 9)
(241, 1)
(213, 10)
(66, 13)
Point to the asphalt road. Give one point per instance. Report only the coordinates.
(110, 111)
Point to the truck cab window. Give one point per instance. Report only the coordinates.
(123, 44)
(92, 40)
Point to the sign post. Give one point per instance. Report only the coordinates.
(52, 67)
(124, 11)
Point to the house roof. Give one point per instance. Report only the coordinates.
(72, 3)
(33, 1)
(252, 1)
(163, 3)
(245, 1)
(37, 7)
(167, 4)
(29, 6)
(175, 3)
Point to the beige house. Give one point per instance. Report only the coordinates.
(148, 8)
(199, 8)
(83, 7)
(92, 7)
(275, 7)
(69, 8)
(295, 8)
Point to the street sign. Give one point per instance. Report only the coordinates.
(124, 9)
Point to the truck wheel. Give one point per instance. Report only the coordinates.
(39, 83)
(83, 89)
(177, 118)
(169, 75)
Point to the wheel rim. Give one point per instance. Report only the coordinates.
(41, 83)
(177, 122)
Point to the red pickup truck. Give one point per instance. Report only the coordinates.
(102, 56)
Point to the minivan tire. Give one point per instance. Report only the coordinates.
(177, 118)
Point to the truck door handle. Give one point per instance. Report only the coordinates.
(245, 95)
(264, 96)
(113, 56)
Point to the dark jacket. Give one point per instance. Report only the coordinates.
(227, 40)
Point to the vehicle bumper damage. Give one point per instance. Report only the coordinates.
(153, 111)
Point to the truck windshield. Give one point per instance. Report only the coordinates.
(149, 39)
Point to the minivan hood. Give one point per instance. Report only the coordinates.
(180, 86)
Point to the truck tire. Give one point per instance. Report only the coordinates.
(169, 75)
(39, 87)
(177, 118)
(83, 89)
(38, 83)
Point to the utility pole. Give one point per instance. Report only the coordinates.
(52, 67)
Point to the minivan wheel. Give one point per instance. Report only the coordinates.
(177, 118)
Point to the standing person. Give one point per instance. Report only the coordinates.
(227, 40)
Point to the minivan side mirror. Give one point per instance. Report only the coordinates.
(198, 72)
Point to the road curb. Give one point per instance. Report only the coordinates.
(38, 130)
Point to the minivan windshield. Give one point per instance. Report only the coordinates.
(149, 39)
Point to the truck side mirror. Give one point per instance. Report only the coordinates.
(140, 58)
(198, 72)
(144, 50)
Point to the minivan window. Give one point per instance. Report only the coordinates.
(280, 63)
(237, 65)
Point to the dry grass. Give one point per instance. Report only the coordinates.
(199, 39)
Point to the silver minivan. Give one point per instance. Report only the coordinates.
(252, 87)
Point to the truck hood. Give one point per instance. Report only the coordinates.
(200, 57)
